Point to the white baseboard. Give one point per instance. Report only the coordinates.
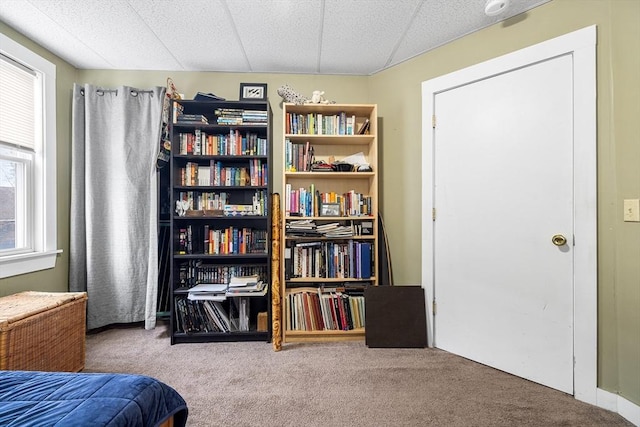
(618, 404)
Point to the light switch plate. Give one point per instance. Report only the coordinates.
(631, 210)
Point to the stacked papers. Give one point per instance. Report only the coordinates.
(208, 291)
(246, 286)
(241, 286)
(238, 281)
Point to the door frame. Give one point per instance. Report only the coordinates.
(581, 45)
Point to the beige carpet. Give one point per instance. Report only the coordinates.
(335, 384)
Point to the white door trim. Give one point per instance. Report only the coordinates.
(581, 45)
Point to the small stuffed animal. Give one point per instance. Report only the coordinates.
(289, 95)
(317, 98)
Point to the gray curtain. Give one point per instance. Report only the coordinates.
(114, 241)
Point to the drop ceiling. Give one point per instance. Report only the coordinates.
(350, 37)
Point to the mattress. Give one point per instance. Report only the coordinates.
(29, 398)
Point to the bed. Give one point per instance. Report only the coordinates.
(33, 398)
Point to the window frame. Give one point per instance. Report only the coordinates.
(43, 221)
(24, 187)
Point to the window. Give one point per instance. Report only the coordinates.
(27, 161)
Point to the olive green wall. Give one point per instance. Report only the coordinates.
(397, 92)
(348, 89)
(56, 279)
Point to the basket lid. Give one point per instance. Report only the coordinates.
(24, 304)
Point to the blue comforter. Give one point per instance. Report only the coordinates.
(86, 399)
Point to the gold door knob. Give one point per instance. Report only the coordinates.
(559, 240)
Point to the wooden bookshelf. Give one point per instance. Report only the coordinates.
(323, 269)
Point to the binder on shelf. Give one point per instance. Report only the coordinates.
(201, 96)
(365, 260)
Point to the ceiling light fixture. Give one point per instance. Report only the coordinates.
(495, 7)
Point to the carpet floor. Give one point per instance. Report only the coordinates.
(334, 384)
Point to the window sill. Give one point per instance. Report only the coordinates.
(14, 265)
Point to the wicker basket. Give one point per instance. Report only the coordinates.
(43, 331)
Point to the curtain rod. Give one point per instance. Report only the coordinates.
(133, 92)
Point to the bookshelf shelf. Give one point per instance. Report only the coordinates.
(221, 217)
(221, 256)
(319, 336)
(217, 156)
(179, 338)
(220, 178)
(327, 259)
(330, 218)
(293, 176)
(331, 139)
(334, 280)
(313, 239)
(218, 187)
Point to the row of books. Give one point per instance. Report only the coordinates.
(194, 272)
(191, 118)
(217, 174)
(309, 228)
(311, 202)
(200, 143)
(204, 200)
(205, 240)
(212, 201)
(326, 259)
(315, 310)
(298, 157)
(207, 316)
(240, 116)
(319, 124)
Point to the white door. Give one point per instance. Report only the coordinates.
(503, 187)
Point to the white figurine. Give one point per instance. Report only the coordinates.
(317, 97)
(181, 207)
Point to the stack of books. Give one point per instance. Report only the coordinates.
(191, 118)
(239, 210)
(250, 117)
(239, 116)
(327, 227)
(229, 116)
(303, 227)
(335, 229)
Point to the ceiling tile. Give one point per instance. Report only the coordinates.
(360, 36)
(113, 30)
(36, 25)
(441, 21)
(201, 36)
(279, 36)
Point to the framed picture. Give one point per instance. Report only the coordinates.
(253, 92)
(330, 209)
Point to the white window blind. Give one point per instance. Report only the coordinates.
(17, 104)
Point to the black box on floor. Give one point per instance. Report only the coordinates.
(395, 316)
